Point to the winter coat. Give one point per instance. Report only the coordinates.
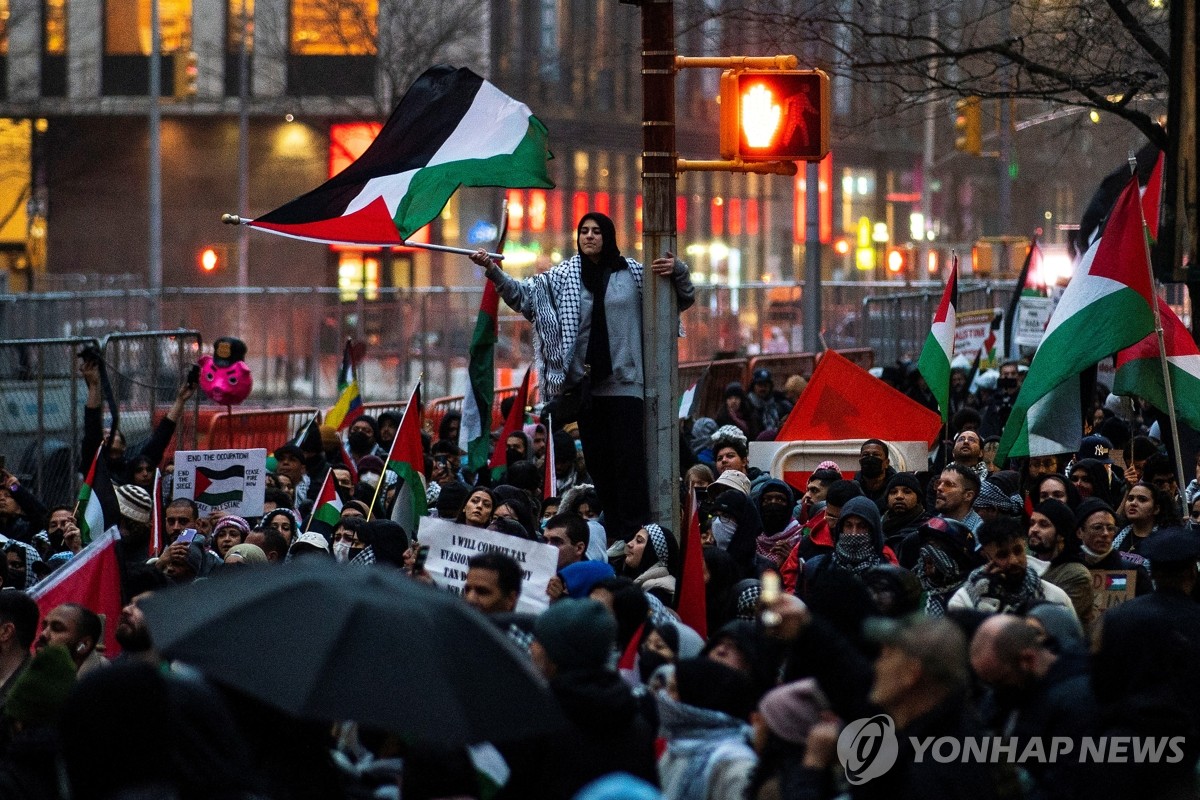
(613, 728)
(708, 755)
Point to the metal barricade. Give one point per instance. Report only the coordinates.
(895, 326)
(267, 428)
(146, 371)
(42, 399)
(782, 366)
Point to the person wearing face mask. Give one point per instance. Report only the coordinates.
(736, 527)
(874, 472)
(587, 332)
(668, 643)
(781, 530)
(363, 439)
(858, 546)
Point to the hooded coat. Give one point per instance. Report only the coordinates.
(865, 509)
(742, 547)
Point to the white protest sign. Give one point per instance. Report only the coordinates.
(452, 545)
(1032, 315)
(222, 480)
(972, 329)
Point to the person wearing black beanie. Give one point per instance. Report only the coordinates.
(905, 513)
(1054, 544)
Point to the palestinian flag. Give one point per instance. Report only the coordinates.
(475, 432)
(407, 460)
(349, 405)
(513, 423)
(1139, 371)
(216, 487)
(327, 510)
(938, 352)
(92, 578)
(97, 510)
(1105, 308)
(452, 128)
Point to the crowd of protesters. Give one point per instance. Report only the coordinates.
(957, 600)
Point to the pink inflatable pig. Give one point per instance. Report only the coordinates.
(224, 376)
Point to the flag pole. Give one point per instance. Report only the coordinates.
(383, 475)
(1162, 351)
(234, 219)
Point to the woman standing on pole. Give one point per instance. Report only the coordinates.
(587, 324)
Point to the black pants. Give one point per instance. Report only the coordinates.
(614, 447)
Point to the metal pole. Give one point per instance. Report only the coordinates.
(659, 313)
(812, 257)
(155, 186)
(243, 242)
(927, 156)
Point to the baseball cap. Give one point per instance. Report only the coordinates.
(1097, 447)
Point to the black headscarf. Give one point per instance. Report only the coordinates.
(595, 280)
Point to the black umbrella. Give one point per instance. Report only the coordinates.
(334, 642)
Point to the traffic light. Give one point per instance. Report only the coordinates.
(775, 115)
(900, 261)
(968, 121)
(187, 70)
(211, 259)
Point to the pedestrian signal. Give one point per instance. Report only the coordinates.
(775, 115)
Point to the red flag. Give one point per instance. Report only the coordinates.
(348, 463)
(513, 423)
(691, 605)
(550, 479)
(156, 508)
(92, 578)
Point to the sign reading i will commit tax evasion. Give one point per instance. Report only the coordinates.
(222, 480)
(452, 545)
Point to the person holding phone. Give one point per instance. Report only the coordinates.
(21, 514)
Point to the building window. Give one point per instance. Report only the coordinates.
(55, 41)
(334, 27)
(127, 26)
(234, 24)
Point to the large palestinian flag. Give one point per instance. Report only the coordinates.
(938, 352)
(451, 129)
(1105, 308)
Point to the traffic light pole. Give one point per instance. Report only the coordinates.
(659, 310)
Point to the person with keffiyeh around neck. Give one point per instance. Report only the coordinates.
(587, 335)
(1007, 581)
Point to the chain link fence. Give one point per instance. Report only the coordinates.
(295, 336)
(42, 401)
(42, 397)
(896, 326)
